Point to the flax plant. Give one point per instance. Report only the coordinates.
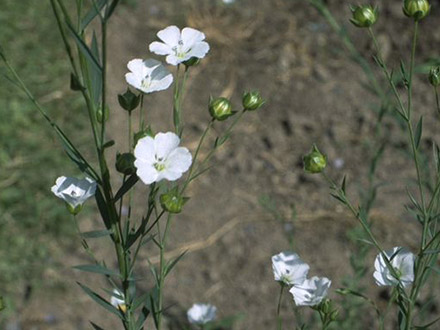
(156, 160)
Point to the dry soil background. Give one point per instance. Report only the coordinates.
(314, 93)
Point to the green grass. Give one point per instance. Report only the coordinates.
(32, 220)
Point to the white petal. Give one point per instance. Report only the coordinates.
(179, 160)
(164, 143)
(171, 175)
(152, 63)
(136, 65)
(191, 36)
(170, 35)
(162, 84)
(160, 48)
(145, 151)
(199, 50)
(174, 60)
(146, 172)
(133, 80)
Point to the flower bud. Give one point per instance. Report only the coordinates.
(172, 201)
(416, 9)
(315, 161)
(100, 116)
(364, 16)
(129, 101)
(220, 108)
(434, 76)
(125, 163)
(193, 61)
(141, 134)
(334, 315)
(252, 100)
(74, 210)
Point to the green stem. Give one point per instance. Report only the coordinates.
(279, 319)
(141, 114)
(437, 101)
(104, 78)
(163, 241)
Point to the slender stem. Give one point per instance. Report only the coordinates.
(388, 74)
(437, 101)
(279, 319)
(141, 114)
(191, 169)
(163, 241)
(176, 106)
(411, 69)
(104, 78)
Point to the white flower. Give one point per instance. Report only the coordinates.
(117, 300)
(160, 158)
(403, 263)
(228, 1)
(180, 46)
(311, 291)
(74, 191)
(201, 313)
(148, 76)
(288, 268)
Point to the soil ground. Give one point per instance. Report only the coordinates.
(315, 94)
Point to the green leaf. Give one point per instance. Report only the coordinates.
(96, 233)
(171, 265)
(101, 301)
(97, 269)
(85, 50)
(92, 14)
(142, 317)
(109, 144)
(96, 327)
(102, 207)
(132, 180)
(418, 133)
(111, 9)
(426, 326)
(95, 75)
(436, 251)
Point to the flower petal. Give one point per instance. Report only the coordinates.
(199, 50)
(173, 59)
(160, 48)
(133, 80)
(164, 143)
(136, 65)
(179, 160)
(145, 151)
(170, 35)
(162, 84)
(191, 36)
(146, 172)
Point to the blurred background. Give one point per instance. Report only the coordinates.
(256, 201)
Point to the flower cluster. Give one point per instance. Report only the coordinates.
(290, 270)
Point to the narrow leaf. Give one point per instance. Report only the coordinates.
(96, 327)
(98, 269)
(111, 9)
(132, 180)
(85, 50)
(92, 14)
(102, 208)
(101, 301)
(171, 265)
(96, 233)
(418, 133)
